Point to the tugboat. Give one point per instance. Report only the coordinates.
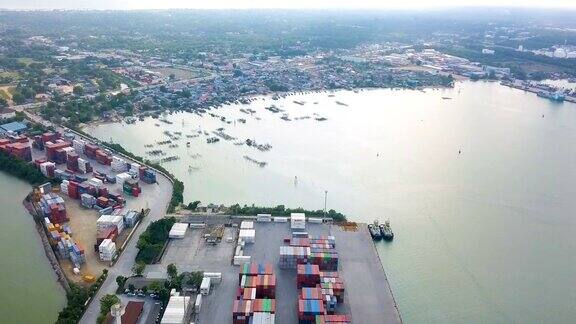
(375, 231)
(386, 231)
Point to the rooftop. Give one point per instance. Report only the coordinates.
(13, 127)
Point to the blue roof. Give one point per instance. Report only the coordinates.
(13, 127)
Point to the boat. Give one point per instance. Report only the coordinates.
(554, 96)
(386, 231)
(446, 98)
(375, 231)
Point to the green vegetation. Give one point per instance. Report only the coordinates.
(172, 271)
(77, 298)
(151, 242)
(280, 210)
(193, 205)
(21, 169)
(106, 304)
(73, 311)
(138, 268)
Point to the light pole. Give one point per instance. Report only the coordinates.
(325, 199)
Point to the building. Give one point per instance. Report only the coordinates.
(6, 113)
(14, 127)
(497, 71)
(132, 312)
(131, 315)
(487, 51)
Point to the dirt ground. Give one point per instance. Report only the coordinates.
(83, 224)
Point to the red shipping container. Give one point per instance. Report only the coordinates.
(73, 190)
(108, 233)
(103, 192)
(241, 311)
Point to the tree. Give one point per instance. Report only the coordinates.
(121, 280)
(145, 289)
(18, 98)
(195, 278)
(138, 268)
(172, 271)
(193, 205)
(3, 103)
(156, 286)
(107, 302)
(131, 287)
(78, 90)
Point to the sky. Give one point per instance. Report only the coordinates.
(291, 4)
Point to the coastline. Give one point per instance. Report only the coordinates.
(253, 97)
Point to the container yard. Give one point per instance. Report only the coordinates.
(94, 207)
(303, 275)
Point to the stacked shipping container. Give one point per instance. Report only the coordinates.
(53, 207)
(256, 294)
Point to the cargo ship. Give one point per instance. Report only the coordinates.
(375, 231)
(556, 96)
(386, 231)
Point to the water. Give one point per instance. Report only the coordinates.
(482, 236)
(29, 291)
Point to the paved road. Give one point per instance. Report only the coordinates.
(125, 263)
(157, 199)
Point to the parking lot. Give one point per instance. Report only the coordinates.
(367, 298)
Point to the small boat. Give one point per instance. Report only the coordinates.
(446, 98)
(386, 231)
(375, 231)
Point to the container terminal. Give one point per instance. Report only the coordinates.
(315, 271)
(259, 261)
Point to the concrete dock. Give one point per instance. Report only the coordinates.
(368, 298)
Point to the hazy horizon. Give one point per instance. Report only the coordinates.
(262, 4)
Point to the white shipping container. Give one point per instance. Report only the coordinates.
(96, 182)
(205, 286)
(297, 221)
(241, 259)
(247, 225)
(178, 230)
(247, 235)
(197, 225)
(315, 220)
(281, 219)
(121, 177)
(262, 318)
(198, 303)
(263, 218)
(215, 277)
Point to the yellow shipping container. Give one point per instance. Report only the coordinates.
(89, 278)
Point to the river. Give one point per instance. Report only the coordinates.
(479, 187)
(28, 286)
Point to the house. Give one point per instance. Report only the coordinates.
(131, 314)
(6, 113)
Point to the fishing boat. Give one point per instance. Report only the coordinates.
(374, 230)
(386, 231)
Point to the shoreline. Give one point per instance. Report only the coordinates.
(254, 97)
